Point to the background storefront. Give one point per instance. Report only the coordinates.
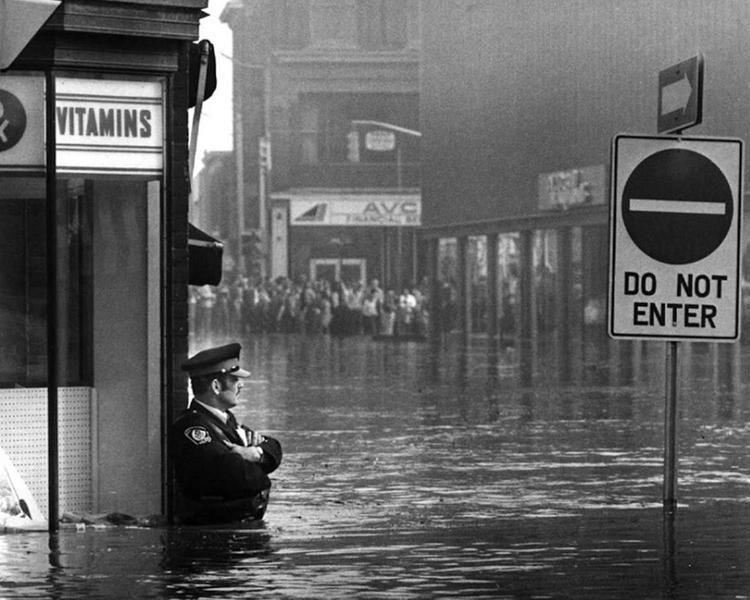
(516, 160)
(350, 237)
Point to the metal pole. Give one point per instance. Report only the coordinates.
(387, 258)
(383, 256)
(263, 149)
(399, 176)
(399, 235)
(51, 277)
(238, 135)
(670, 430)
(414, 252)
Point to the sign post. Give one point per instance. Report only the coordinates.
(675, 220)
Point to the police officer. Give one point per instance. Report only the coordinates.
(221, 466)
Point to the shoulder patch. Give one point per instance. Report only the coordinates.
(198, 435)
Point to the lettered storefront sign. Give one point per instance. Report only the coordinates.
(361, 210)
(102, 126)
(109, 127)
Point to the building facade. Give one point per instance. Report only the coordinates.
(215, 180)
(94, 261)
(326, 138)
(520, 102)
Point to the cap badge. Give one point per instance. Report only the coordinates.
(198, 435)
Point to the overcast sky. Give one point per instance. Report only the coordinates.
(215, 129)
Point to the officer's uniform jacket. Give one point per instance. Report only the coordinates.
(204, 465)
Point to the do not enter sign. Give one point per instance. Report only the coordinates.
(675, 237)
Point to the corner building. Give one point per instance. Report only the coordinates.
(325, 189)
(519, 104)
(94, 247)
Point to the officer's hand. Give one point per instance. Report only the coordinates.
(256, 439)
(249, 453)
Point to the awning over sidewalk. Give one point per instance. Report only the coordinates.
(205, 256)
(19, 22)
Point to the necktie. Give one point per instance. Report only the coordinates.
(232, 422)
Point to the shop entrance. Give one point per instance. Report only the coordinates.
(348, 270)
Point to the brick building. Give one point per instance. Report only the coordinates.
(327, 92)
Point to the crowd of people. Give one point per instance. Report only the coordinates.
(282, 305)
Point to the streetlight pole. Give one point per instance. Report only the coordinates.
(399, 179)
(389, 126)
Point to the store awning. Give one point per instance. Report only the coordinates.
(19, 22)
(205, 256)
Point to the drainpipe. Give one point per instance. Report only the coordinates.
(52, 350)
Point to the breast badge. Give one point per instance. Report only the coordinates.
(198, 435)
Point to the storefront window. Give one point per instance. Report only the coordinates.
(509, 289)
(102, 275)
(22, 282)
(594, 255)
(448, 278)
(545, 265)
(479, 294)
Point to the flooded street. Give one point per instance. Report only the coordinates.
(421, 471)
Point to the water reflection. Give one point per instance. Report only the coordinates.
(418, 470)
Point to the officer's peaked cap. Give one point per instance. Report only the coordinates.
(216, 361)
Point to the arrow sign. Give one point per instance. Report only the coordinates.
(680, 95)
(675, 96)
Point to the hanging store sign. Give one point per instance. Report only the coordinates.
(365, 210)
(102, 126)
(380, 140)
(109, 127)
(574, 187)
(675, 222)
(22, 123)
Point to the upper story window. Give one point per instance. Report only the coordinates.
(291, 24)
(324, 122)
(365, 24)
(333, 24)
(381, 24)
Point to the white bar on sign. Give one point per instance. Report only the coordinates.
(677, 206)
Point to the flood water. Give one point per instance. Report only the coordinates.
(415, 470)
